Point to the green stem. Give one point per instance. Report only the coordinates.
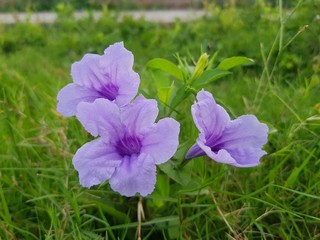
(281, 26)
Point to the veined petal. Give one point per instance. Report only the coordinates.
(71, 95)
(136, 174)
(246, 157)
(209, 117)
(116, 56)
(194, 151)
(139, 115)
(243, 139)
(86, 72)
(95, 162)
(110, 75)
(162, 141)
(245, 130)
(102, 117)
(221, 155)
(128, 87)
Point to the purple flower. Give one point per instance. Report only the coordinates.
(95, 76)
(236, 142)
(129, 147)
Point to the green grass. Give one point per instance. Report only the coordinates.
(40, 196)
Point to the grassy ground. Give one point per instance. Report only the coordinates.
(40, 196)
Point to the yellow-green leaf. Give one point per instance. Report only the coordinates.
(232, 62)
(166, 66)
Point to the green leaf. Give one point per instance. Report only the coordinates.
(164, 94)
(178, 174)
(90, 234)
(232, 62)
(174, 229)
(161, 191)
(210, 76)
(167, 66)
(297, 170)
(105, 205)
(179, 95)
(164, 85)
(161, 78)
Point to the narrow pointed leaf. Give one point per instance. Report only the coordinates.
(178, 96)
(210, 76)
(232, 62)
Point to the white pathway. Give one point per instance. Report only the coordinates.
(164, 16)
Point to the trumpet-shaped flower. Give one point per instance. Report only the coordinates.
(235, 142)
(129, 147)
(95, 76)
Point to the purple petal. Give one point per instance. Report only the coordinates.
(101, 117)
(117, 63)
(221, 156)
(139, 115)
(209, 117)
(95, 161)
(110, 75)
(194, 151)
(246, 130)
(136, 174)
(162, 141)
(128, 85)
(117, 56)
(240, 144)
(249, 157)
(71, 95)
(86, 72)
(243, 139)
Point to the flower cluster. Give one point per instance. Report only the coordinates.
(130, 143)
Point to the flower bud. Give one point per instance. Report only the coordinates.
(200, 67)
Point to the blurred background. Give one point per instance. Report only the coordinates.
(49, 5)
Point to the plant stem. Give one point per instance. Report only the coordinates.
(140, 216)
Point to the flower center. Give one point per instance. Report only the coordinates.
(128, 145)
(109, 91)
(214, 143)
